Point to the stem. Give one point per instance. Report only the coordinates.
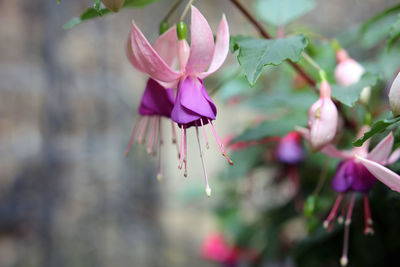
(264, 34)
(173, 8)
(311, 61)
(185, 11)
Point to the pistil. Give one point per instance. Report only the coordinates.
(208, 189)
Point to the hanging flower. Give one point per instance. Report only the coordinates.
(348, 72)
(289, 149)
(193, 106)
(156, 101)
(357, 173)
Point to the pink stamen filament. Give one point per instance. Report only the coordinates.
(157, 137)
(343, 212)
(367, 217)
(146, 131)
(333, 212)
(219, 142)
(174, 138)
(133, 136)
(181, 153)
(153, 125)
(204, 132)
(208, 189)
(144, 124)
(344, 259)
(185, 152)
(160, 143)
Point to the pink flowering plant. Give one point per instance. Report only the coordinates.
(313, 127)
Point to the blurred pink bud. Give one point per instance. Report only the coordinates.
(215, 248)
(394, 96)
(348, 72)
(113, 5)
(322, 119)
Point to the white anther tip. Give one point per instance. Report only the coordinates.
(344, 261)
(208, 191)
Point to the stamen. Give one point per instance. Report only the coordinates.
(208, 189)
(342, 213)
(145, 132)
(181, 153)
(204, 132)
(160, 143)
(333, 212)
(185, 152)
(344, 259)
(133, 135)
(367, 217)
(144, 124)
(157, 136)
(153, 125)
(220, 143)
(174, 138)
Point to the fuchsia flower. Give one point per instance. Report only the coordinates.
(357, 173)
(348, 72)
(322, 119)
(394, 96)
(156, 101)
(215, 248)
(289, 149)
(193, 106)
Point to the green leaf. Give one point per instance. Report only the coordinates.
(349, 95)
(394, 33)
(254, 53)
(97, 4)
(387, 12)
(92, 12)
(281, 12)
(376, 128)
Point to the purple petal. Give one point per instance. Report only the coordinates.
(344, 177)
(156, 100)
(364, 180)
(289, 149)
(192, 103)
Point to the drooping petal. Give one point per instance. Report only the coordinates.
(152, 63)
(202, 43)
(394, 96)
(221, 48)
(304, 132)
(382, 150)
(166, 45)
(192, 103)
(383, 174)
(156, 100)
(394, 156)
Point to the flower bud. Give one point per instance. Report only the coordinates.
(348, 72)
(394, 96)
(322, 119)
(113, 5)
